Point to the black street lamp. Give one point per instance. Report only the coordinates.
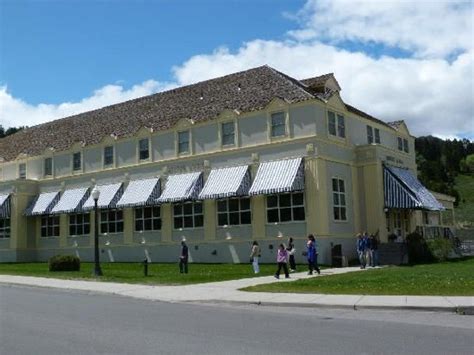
(95, 195)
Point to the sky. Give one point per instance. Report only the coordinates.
(393, 59)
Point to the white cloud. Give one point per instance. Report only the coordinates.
(15, 112)
(432, 90)
(429, 28)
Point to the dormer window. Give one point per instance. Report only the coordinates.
(278, 126)
(144, 149)
(22, 171)
(48, 166)
(76, 161)
(183, 142)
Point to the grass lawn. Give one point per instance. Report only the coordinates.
(452, 278)
(158, 274)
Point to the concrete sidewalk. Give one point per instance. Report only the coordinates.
(228, 292)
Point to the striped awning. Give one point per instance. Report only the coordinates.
(279, 176)
(109, 195)
(43, 203)
(5, 206)
(226, 182)
(181, 187)
(403, 190)
(140, 193)
(71, 200)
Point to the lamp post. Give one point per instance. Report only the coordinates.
(95, 195)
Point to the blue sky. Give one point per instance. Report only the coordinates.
(393, 59)
(78, 46)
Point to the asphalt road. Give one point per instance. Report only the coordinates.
(46, 321)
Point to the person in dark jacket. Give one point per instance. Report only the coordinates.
(291, 252)
(183, 258)
(312, 255)
(361, 249)
(374, 248)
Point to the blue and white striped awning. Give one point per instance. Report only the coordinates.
(181, 187)
(71, 200)
(279, 176)
(5, 206)
(226, 182)
(403, 190)
(43, 203)
(140, 193)
(109, 195)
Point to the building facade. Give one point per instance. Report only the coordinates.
(255, 155)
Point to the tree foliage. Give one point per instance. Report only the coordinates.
(439, 161)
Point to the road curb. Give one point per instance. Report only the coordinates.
(458, 310)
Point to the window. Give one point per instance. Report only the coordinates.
(377, 135)
(143, 149)
(79, 224)
(76, 161)
(4, 228)
(405, 145)
(50, 226)
(341, 126)
(148, 218)
(109, 156)
(111, 221)
(336, 127)
(48, 166)
(278, 124)
(285, 207)
(332, 123)
(233, 211)
(339, 199)
(370, 135)
(183, 142)
(22, 171)
(400, 143)
(228, 133)
(188, 215)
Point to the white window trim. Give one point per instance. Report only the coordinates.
(176, 144)
(286, 114)
(182, 215)
(220, 135)
(81, 169)
(228, 211)
(291, 206)
(140, 138)
(143, 219)
(114, 157)
(340, 206)
(18, 170)
(116, 221)
(50, 176)
(336, 137)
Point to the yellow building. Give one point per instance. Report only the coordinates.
(255, 155)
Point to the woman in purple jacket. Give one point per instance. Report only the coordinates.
(312, 255)
(282, 259)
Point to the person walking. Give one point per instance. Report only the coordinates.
(282, 260)
(254, 255)
(291, 253)
(374, 248)
(360, 245)
(368, 251)
(183, 258)
(312, 255)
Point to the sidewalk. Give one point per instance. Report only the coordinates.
(228, 292)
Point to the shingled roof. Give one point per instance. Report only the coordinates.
(365, 115)
(245, 91)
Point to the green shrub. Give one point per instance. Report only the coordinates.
(64, 263)
(418, 251)
(440, 248)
